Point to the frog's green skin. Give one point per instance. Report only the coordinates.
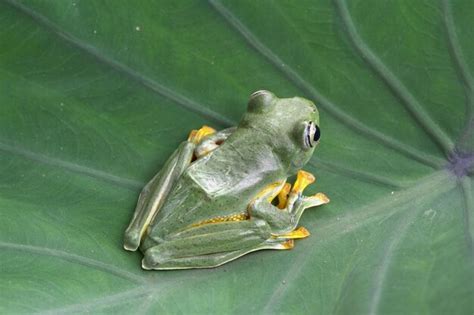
(237, 172)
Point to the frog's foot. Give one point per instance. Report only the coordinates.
(303, 179)
(300, 232)
(208, 139)
(196, 136)
(283, 196)
(293, 201)
(303, 203)
(315, 200)
(288, 197)
(282, 244)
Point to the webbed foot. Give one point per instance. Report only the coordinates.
(196, 136)
(292, 200)
(315, 200)
(207, 140)
(297, 233)
(289, 195)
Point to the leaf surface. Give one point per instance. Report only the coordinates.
(94, 96)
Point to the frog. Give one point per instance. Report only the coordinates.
(224, 194)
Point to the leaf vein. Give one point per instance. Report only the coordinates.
(436, 183)
(382, 270)
(394, 84)
(325, 103)
(73, 167)
(100, 303)
(466, 189)
(355, 174)
(85, 261)
(462, 69)
(153, 85)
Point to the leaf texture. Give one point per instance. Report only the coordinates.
(95, 95)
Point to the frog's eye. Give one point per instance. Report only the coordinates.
(311, 135)
(317, 133)
(260, 100)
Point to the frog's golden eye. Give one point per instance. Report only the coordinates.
(311, 135)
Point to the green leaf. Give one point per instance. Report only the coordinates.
(95, 95)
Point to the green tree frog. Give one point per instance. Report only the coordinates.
(224, 194)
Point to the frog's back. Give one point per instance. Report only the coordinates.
(220, 184)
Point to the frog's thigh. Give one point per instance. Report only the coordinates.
(209, 239)
(155, 192)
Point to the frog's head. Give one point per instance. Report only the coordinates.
(290, 126)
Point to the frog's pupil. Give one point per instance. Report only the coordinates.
(317, 134)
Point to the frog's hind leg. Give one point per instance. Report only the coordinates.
(217, 259)
(211, 244)
(154, 193)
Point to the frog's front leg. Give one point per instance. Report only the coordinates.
(284, 218)
(154, 193)
(296, 203)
